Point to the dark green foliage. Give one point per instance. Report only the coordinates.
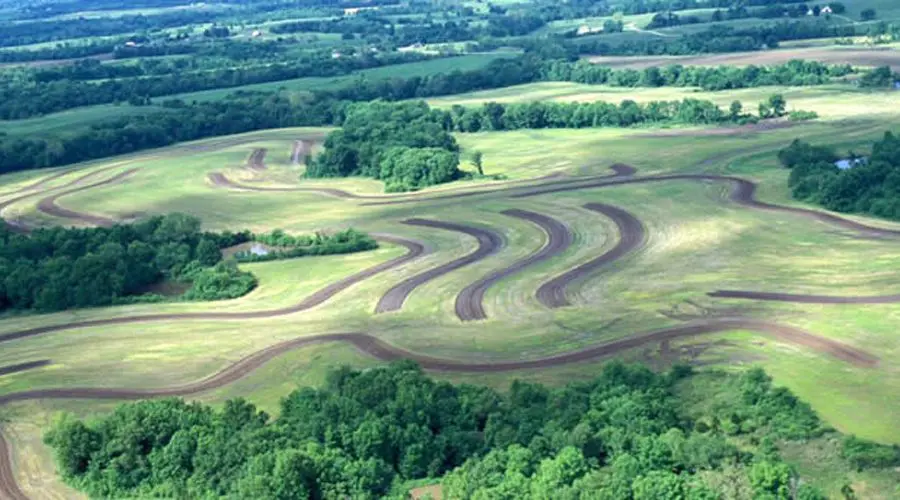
(866, 454)
(62, 268)
(881, 77)
(625, 434)
(404, 144)
(870, 186)
(288, 247)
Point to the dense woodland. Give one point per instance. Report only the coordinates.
(61, 268)
(628, 434)
(869, 184)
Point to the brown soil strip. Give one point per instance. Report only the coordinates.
(257, 159)
(220, 180)
(383, 351)
(71, 183)
(21, 367)
(743, 194)
(631, 237)
(415, 250)
(804, 298)
(470, 302)
(489, 243)
(48, 205)
(40, 183)
(9, 488)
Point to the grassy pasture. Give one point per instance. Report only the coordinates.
(854, 55)
(697, 242)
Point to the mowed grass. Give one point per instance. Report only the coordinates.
(698, 242)
(835, 101)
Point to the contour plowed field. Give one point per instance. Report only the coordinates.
(489, 243)
(631, 237)
(469, 302)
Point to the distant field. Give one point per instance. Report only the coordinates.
(73, 119)
(857, 56)
(423, 68)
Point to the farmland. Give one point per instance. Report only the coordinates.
(561, 246)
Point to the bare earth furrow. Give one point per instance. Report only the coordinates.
(470, 302)
(48, 205)
(489, 243)
(804, 298)
(632, 236)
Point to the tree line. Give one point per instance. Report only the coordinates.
(629, 433)
(867, 185)
(61, 268)
(178, 121)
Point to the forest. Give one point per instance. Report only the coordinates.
(867, 185)
(629, 433)
(61, 268)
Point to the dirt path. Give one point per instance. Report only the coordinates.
(48, 205)
(383, 351)
(632, 236)
(21, 367)
(73, 182)
(9, 488)
(39, 183)
(804, 298)
(219, 179)
(415, 250)
(744, 193)
(257, 159)
(489, 243)
(470, 302)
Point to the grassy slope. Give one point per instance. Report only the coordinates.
(696, 243)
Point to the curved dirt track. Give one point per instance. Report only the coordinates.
(221, 180)
(383, 351)
(470, 302)
(804, 298)
(71, 183)
(40, 183)
(48, 205)
(489, 243)
(21, 367)
(632, 236)
(9, 488)
(415, 250)
(257, 159)
(744, 193)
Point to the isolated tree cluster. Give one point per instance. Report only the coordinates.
(870, 186)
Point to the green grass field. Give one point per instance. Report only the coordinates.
(697, 242)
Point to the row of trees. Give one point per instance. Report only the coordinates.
(286, 246)
(794, 73)
(26, 99)
(61, 268)
(864, 185)
(629, 433)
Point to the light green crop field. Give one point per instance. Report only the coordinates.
(697, 241)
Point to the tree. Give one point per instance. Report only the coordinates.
(867, 15)
(477, 157)
(735, 110)
(208, 253)
(777, 104)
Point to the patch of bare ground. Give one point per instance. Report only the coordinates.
(432, 491)
(876, 56)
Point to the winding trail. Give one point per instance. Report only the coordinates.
(21, 367)
(743, 193)
(383, 351)
(632, 236)
(9, 487)
(219, 179)
(48, 205)
(489, 243)
(40, 182)
(257, 159)
(415, 250)
(798, 298)
(470, 302)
